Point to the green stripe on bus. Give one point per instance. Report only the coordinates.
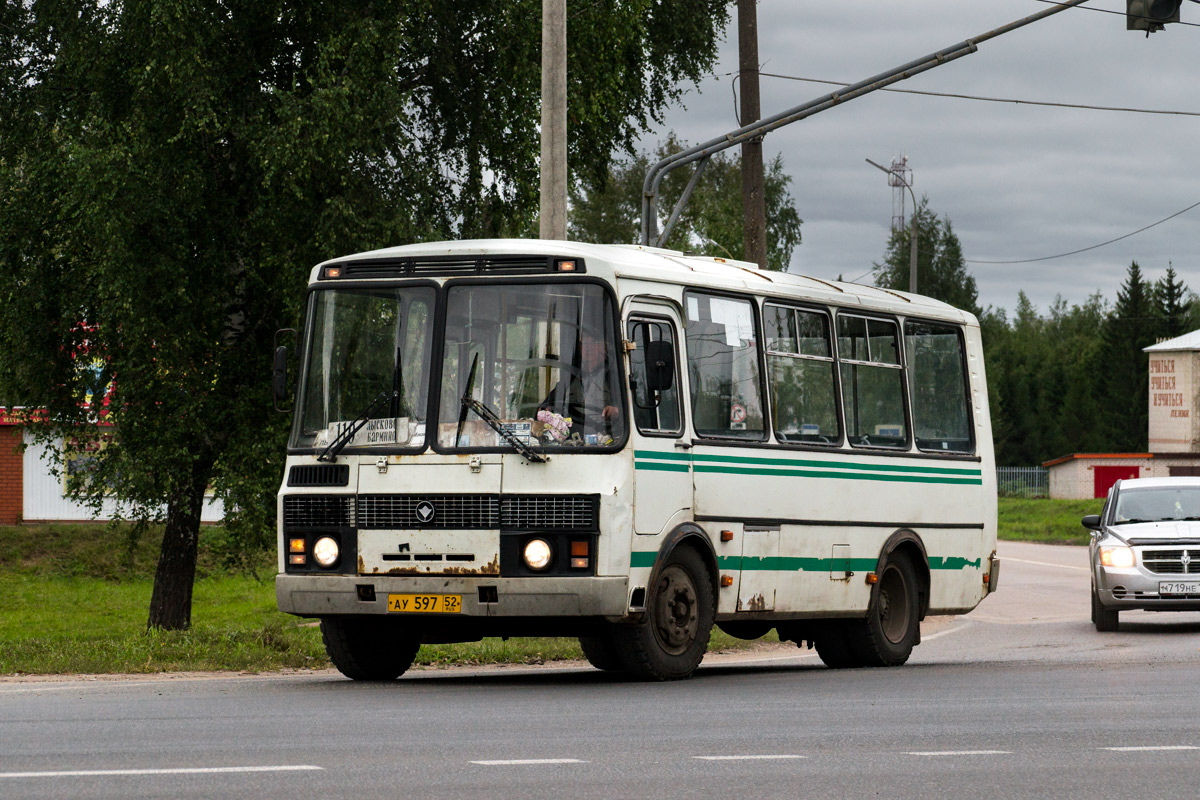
(800, 564)
(847, 465)
(661, 467)
(661, 455)
(862, 476)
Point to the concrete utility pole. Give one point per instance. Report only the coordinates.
(754, 201)
(553, 216)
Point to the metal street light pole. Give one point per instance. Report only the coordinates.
(912, 235)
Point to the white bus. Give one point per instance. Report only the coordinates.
(628, 445)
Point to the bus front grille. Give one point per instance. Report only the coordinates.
(478, 512)
(318, 511)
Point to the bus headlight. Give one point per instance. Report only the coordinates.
(325, 551)
(538, 554)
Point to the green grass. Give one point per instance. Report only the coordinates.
(1046, 521)
(74, 599)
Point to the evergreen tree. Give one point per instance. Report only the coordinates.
(1132, 326)
(1172, 305)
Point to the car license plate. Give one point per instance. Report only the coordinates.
(1168, 588)
(425, 603)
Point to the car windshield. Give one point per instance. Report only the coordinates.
(542, 358)
(1160, 503)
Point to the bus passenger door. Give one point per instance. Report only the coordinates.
(662, 471)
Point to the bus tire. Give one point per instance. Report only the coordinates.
(1106, 620)
(365, 649)
(602, 652)
(892, 627)
(671, 641)
(833, 645)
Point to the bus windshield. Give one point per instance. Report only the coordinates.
(541, 357)
(365, 343)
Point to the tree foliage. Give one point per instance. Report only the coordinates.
(170, 170)
(608, 210)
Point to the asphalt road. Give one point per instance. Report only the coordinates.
(1020, 698)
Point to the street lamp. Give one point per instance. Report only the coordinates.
(912, 236)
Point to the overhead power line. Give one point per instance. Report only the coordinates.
(1085, 249)
(994, 99)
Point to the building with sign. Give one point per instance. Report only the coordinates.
(1174, 429)
(31, 492)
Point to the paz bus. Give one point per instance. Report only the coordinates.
(627, 445)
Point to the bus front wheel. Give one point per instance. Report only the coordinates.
(670, 643)
(367, 649)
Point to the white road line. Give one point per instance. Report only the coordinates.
(962, 753)
(528, 761)
(1158, 747)
(93, 773)
(1046, 564)
(747, 758)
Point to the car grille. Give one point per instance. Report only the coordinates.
(1172, 562)
(318, 511)
(473, 511)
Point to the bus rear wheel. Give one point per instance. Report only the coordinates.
(367, 649)
(670, 643)
(892, 627)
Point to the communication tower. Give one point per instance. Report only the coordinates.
(900, 179)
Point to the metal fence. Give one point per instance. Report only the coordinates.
(1023, 481)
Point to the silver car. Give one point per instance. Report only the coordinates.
(1145, 549)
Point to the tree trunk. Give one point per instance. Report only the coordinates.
(171, 601)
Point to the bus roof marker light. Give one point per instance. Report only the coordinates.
(333, 272)
(565, 265)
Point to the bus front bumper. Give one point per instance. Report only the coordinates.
(328, 595)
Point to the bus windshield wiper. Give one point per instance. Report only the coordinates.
(331, 452)
(395, 394)
(486, 414)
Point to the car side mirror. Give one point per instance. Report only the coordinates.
(1091, 522)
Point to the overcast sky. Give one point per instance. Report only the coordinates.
(1016, 181)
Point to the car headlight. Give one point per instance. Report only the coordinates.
(325, 551)
(538, 554)
(1116, 556)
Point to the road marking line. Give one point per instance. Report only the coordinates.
(527, 761)
(747, 758)
(962, 753)
(1154, 747)
(91, 773)
(1046, 564)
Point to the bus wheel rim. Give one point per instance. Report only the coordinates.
(677, 613)
(894, 607)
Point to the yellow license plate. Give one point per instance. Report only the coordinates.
(425, 603)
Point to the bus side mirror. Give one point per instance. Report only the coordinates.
(280, 385)
(660, 365)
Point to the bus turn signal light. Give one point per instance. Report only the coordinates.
(872, 578)
(726, 536)
(726, 581)
(296, 545)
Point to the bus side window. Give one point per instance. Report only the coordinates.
(800, 376)
(938, 387)
(655, 406)
(723, 373)
(872, 382)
